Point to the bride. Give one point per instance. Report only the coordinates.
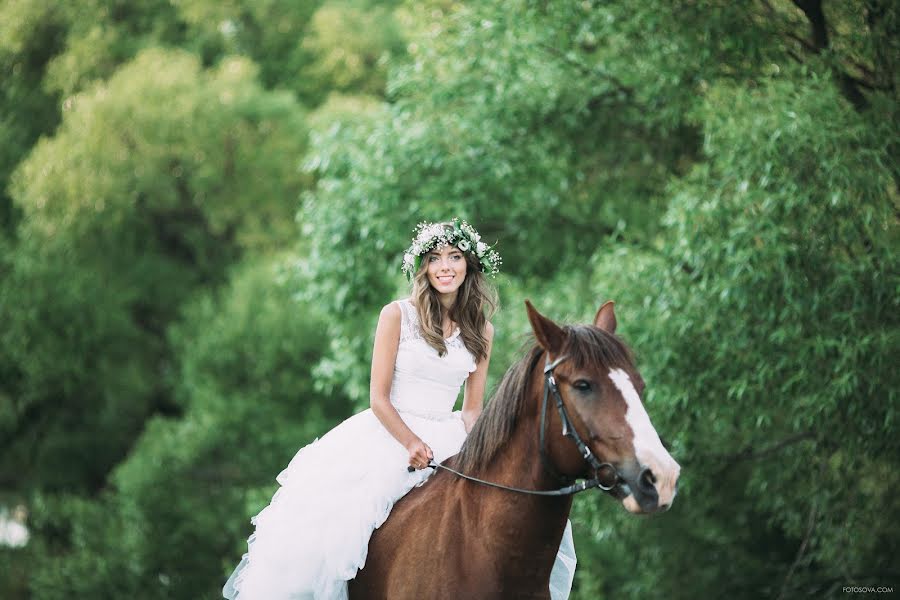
(313, 537)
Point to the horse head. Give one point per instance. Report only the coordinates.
(600, 390)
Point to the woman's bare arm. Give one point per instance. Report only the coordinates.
(384, 355)
(473, 398)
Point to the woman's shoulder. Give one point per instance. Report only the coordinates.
(394, 310)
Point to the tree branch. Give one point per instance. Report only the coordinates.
(795, 56)
(866, 80)
(803, 42)
(820, 42)
(769, 8)
(586, 70)
(810, 526)
(752, 453)
(816, 17)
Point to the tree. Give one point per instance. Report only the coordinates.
(244, 356)
(772, 298)
(725, 172)
(156, 182)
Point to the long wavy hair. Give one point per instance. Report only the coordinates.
(476, 302)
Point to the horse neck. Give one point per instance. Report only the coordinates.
(527, 520)
(518, 463)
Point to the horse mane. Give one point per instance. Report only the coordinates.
(585, 345)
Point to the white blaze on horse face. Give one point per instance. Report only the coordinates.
(648, 448)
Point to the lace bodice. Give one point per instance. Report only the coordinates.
(424, 383)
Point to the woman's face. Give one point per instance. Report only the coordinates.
(446, 269)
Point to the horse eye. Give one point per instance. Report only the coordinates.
(582, 385)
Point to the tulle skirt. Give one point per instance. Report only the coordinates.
(314, 535)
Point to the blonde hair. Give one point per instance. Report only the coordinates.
(476, 302)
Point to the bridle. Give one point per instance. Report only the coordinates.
(619, 488)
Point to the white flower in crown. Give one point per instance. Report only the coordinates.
(480, 248)
(463, 245)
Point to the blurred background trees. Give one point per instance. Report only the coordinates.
(204, 206)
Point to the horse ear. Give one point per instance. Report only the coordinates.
(549, 335)
(606, 318)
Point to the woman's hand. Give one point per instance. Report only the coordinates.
(419, 453)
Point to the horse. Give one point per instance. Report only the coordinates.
(488, 522)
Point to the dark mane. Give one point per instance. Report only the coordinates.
(584, 346)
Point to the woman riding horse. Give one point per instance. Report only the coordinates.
(489, 523)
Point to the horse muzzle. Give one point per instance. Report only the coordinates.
(644, 494)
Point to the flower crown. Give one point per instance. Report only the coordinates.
(462, 235)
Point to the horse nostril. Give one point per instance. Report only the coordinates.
(647, 479)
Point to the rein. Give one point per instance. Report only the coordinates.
(565, 491)
(569, 431)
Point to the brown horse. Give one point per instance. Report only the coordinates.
(456, 538)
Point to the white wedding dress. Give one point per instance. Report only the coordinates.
(314, 534)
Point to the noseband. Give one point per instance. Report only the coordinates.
(618, 488)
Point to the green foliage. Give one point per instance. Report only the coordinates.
(724, 171)
(194, 482)
(769, 324)
(740, 206)
(101, 35)
(154, 183)
(51, 51)
(502, 117)
(30, 34)
(223, 164)
(348, 45)
(270, 32)
(311, 48)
